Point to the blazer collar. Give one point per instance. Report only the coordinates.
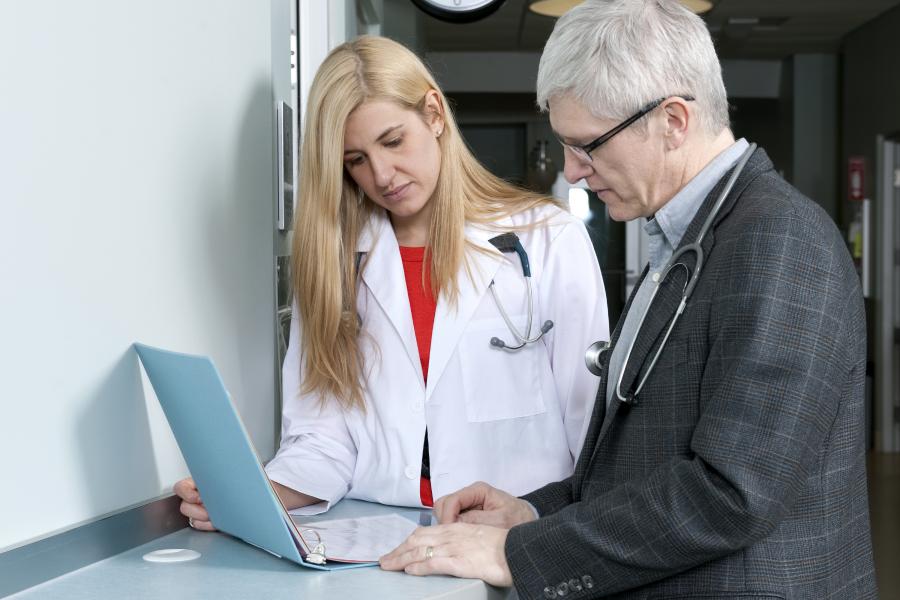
(668, 297)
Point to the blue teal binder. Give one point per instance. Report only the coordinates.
(235, 489)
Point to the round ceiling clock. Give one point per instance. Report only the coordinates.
(458, 11)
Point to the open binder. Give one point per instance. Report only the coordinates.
(235, 490)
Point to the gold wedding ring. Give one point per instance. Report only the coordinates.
(429, 552)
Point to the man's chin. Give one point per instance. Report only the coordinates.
(622, 214)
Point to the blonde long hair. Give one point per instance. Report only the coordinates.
(332, 210)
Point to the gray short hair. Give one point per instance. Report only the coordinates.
(615, 56)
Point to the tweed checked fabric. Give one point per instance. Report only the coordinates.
(740, 471)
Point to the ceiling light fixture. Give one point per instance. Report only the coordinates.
(556, 8)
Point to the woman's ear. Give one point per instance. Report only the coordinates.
(434, 112)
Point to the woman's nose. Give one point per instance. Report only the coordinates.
(382, 171)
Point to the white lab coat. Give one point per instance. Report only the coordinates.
(513, 419)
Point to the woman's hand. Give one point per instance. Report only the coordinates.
(192, 506)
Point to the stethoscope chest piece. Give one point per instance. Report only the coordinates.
(593, 357)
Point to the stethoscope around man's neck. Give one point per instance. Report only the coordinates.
(594, 357)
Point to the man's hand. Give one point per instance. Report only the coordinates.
(482, 504)
(191, 505)
(460, 550)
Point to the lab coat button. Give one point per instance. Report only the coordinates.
(656, 277)
(411, 472)
(417, 406)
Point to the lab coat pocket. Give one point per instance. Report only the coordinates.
(499, 383)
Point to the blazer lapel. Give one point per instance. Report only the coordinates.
(650, 334)
(663, 306)
(601, 413)
(450, 322)
(656, 320)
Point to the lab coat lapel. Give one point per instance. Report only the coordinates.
(382, 274)
(450, 322)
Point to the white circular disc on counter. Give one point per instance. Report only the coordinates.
(169, 555)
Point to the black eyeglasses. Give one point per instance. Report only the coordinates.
(584, 152)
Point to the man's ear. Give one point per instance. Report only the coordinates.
(434, 112)
(679, 119)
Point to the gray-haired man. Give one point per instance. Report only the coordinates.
(725, 455)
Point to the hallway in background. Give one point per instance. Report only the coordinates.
(884, 500)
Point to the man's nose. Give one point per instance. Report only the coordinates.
(574, 168)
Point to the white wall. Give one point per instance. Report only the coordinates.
(136, 203)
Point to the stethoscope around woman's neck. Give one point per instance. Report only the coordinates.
(507, 242)
(595, 354)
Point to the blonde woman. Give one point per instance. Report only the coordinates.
(419, 362)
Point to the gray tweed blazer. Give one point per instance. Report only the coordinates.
(740, 470)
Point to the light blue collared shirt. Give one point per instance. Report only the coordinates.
(665, 231)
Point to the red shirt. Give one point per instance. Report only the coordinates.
(422, 304)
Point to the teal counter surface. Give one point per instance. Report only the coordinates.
(229, 569)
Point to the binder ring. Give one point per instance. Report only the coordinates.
(317, 555)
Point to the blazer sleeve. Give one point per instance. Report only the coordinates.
(551, 498)
(572, 292)
(780, 314)
(317, 454)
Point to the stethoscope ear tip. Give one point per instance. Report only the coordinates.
(547, 326)
(497, 342)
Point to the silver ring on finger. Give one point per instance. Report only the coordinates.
(191, 522)
(429, 552)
